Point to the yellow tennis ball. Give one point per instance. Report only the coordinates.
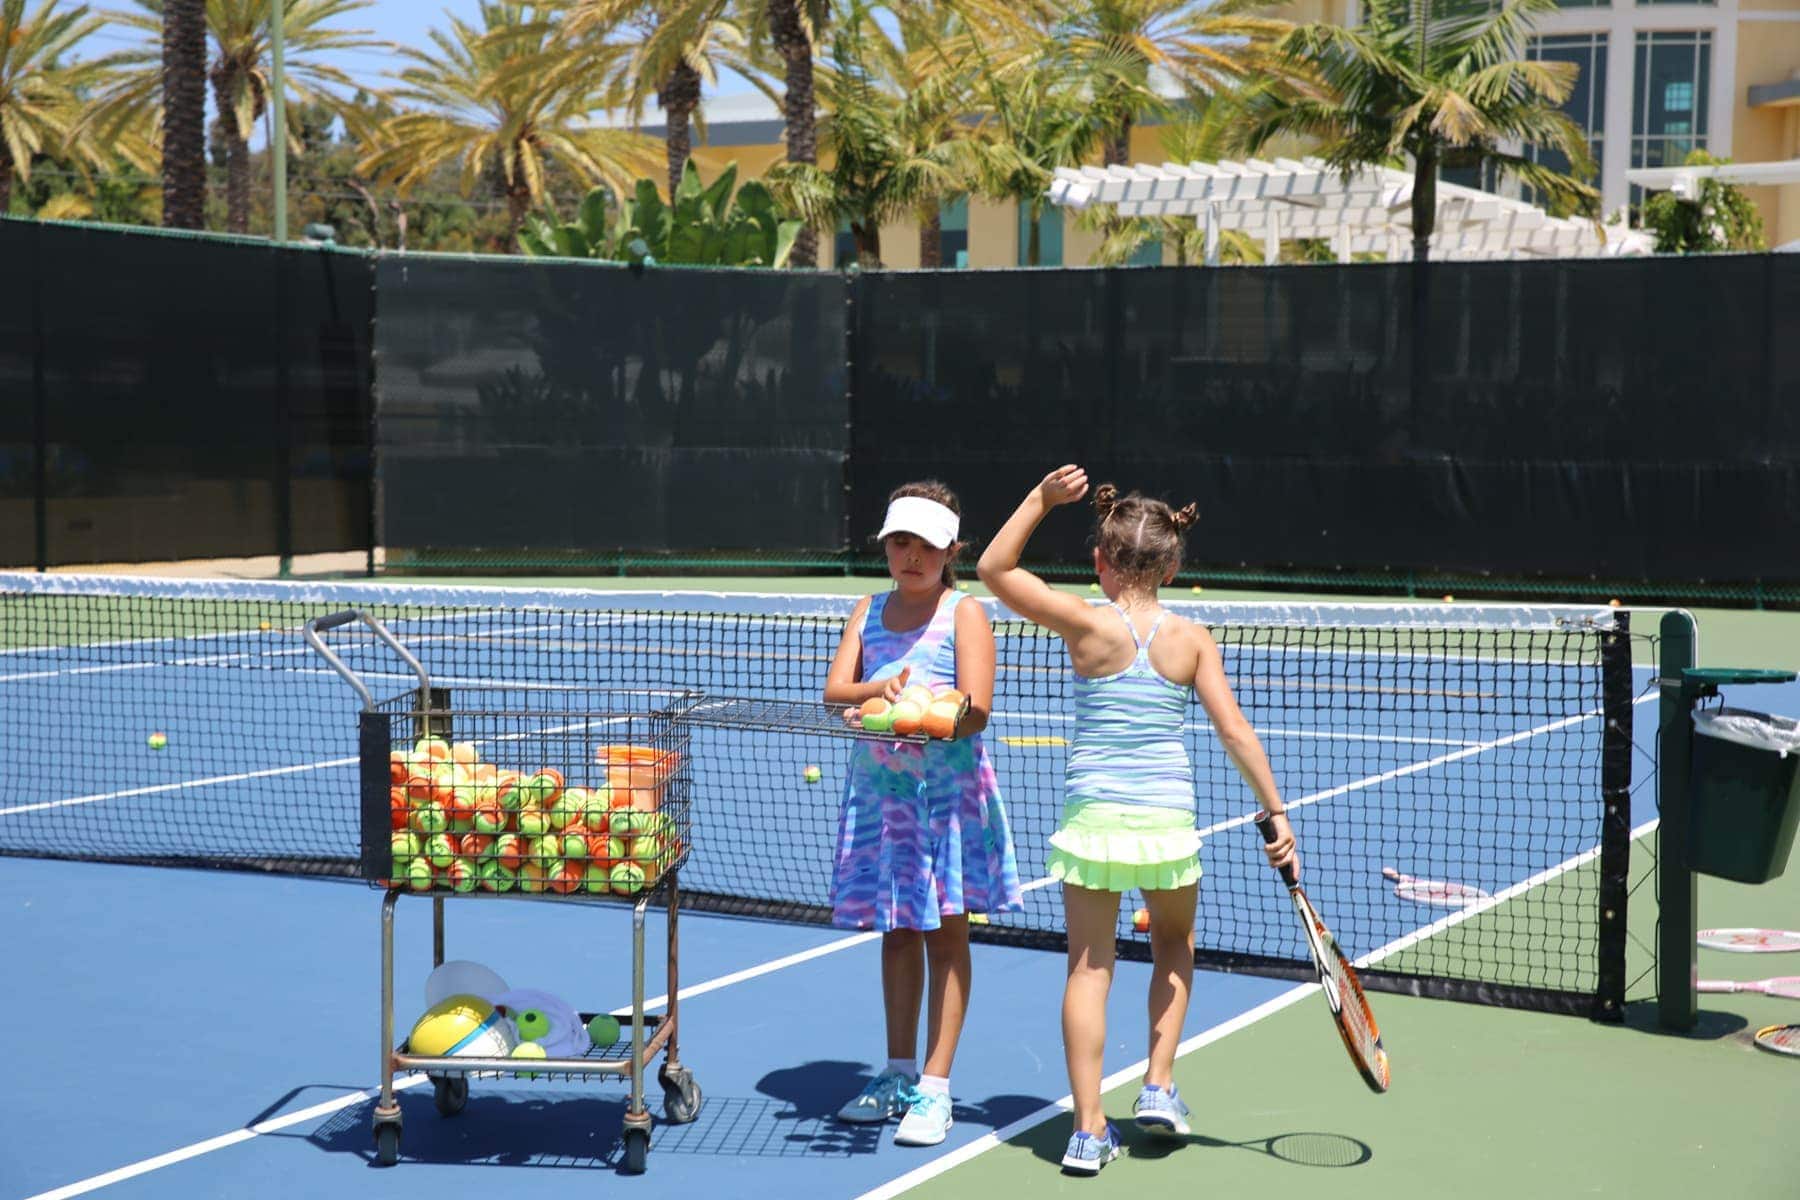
(157, 741)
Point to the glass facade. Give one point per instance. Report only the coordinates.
(953, 232)
(1050, 239)
(1669, 97)
(1586, 103)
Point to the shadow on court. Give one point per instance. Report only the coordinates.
(1300, 1148)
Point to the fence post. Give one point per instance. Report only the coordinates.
(40, 410)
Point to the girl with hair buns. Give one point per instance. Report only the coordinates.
(1129, 813)
(922, 834)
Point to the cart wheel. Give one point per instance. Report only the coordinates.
(387, 1144)
(637, 1150)
(681, 1095)
(450, 1093)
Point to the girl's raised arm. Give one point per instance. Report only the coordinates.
(1018, 588)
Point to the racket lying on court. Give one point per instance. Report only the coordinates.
(1436, 892)
(1343, 991)
(1750, 941)
(1785, 986)
(1779, 1039)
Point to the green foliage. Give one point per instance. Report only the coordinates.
(704, 224)
(1720, 218)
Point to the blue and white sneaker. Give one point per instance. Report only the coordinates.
(927, 1119)
(881, 1099)
(1087, 1154)
(1160, 1111)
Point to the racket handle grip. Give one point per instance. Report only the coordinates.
(1266, 827)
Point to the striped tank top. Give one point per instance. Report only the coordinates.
(1128, 747)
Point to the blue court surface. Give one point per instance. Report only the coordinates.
(185, 1032)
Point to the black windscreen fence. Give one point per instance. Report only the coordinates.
(174, 397)
(179, 397)
(558, 406)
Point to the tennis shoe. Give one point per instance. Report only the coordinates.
(927, 1119)
(1161, 1112)
(880, 1100)
(1087, 1154)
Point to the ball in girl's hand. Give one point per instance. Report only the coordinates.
(909, 718)
(877, 715)
(915, 693)
(1140, 920)
(941, 719)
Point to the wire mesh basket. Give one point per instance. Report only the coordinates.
(551, 791)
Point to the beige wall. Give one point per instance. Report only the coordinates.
(1769, 52)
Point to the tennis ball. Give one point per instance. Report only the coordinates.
(430, 817)
(405, 848)
(1449, 599)
(655, 825)
(877, 715)
(618, 848)
(908, 718)
(264, 626)
(441, 849)
(574, 845)
(399, 809)
(628, 878)
(597, 846)
(157, 741)
(431, 749)
(812, 774)
(942, 718)
(566, 876)
(418, 875)
(603, 1030)
(534, 822)
(915, 693)
(1140, 920)
(531, 876)
(399, 767)
(546, 785)
(418, 786)
(464, 752)
(624, 823)
(495, 876)
(460, 875)
(543, 850)
(565, 811)
(490, 819)
(594, 810)
(1197, 589)
(510, 791)
(475, 845)
(597, 878)
(528, 1050)
(532, 1024)
(509, 850)
(1094, 587)
(645, 849)
(978, 918)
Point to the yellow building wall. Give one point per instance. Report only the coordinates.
(1768, 134)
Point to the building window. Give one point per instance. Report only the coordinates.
(953, 232)
(1586, 104)
(1669, 97)
(1148, 254)
(1050, 236)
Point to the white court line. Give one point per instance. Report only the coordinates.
(174, 787)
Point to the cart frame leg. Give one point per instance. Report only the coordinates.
(672, 1050)
(387, 1110)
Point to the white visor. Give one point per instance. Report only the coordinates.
(927, 518)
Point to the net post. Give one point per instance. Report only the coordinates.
(1677, 1004)
(1615, 820)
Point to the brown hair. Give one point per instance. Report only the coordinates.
(1140, 536)
(931, 489)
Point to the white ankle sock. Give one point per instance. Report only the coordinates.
(936, 1084)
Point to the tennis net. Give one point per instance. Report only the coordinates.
(1487, 747)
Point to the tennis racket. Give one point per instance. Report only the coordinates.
(1435, 892)
(1750, 941)
(1785, 986)
(1337, 978)
(1779, 1039)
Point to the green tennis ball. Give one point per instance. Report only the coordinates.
(512, 794)
(533, 1024)
(625, 823)
(418, 875)
(528, 1050)
(533, 823)
(879, 722)
(597, 879)
(1094, 587)
(599, 801)
(603, 1030)
(495, 876)
(430, 817)
(574, 845)
(627, 878)
(655, 825)
(440, 848)
(566, 811)
(157, 741)
(812, 774)
(405, 848)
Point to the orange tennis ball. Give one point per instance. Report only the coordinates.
(908, 718)
(916, 693)
(566, 876)
(1140, 920)
(877, 715)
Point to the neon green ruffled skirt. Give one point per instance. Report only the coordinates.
(1113, 847)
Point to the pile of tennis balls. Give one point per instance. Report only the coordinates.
(916, 709)
(460, 825)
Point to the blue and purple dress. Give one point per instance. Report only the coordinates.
(922, 833)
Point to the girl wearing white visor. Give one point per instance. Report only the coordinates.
(922, 835)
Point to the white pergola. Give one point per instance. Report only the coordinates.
(1685, 181)
(1368, 210)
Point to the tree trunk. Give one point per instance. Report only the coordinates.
(679, 96)
(1033, 237)
(184, 113)
(798, 114)
(1424, 201)
(868, 244)
(6, 178)
(225, 81)
(518, 203)
(931, 237)
(1117, 151)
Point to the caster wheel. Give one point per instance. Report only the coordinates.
(637, 1150)
(681, 1095)
(450, 1094)
(387, 1144)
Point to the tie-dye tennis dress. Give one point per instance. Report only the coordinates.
(922, 834)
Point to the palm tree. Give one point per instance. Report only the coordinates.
(40, 95)
(890, 154)
(794, 28)
(503, 101)
(240, 74)
(183, 82)
(678, 48)
(1436, 82)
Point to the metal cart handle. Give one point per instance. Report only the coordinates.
(318, 625)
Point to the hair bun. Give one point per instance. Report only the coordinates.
(1106, 498)
(1185, 517)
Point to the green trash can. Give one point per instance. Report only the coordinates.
(1745, 800)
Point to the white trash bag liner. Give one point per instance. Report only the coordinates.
(1764, 731)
